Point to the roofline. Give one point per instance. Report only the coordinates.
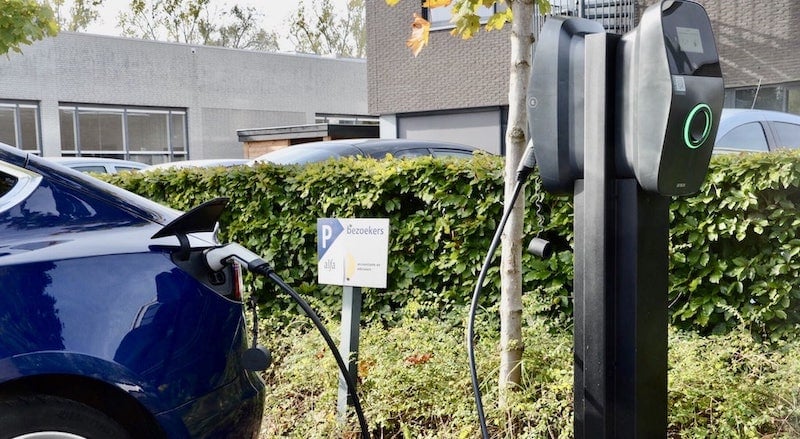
(305, 131)
(200, 46)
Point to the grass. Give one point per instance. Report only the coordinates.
(414, 383)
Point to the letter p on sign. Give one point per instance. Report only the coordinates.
(327, 234)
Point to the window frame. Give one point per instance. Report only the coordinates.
(446, 24)
(170, 153)
(17, 106)
(27, 182)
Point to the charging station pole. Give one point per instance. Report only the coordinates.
(621, 270)
(623, 123)
(593, 227)
(641, 312)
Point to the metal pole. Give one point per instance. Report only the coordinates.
(642, 267)
(594, 252)
(621, 279)
(351, 319)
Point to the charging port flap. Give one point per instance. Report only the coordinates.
(202, 218)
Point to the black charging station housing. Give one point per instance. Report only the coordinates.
(670, 93)
(668, 90)
(556, 100)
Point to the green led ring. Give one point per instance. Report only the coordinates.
(687, 138)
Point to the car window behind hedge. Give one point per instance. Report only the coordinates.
(749, 136)
(787, 134)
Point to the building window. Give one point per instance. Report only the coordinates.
(19, 125)
(144, 135)
(440, 17)
(783, 97)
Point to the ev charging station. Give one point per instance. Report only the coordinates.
(623, 123)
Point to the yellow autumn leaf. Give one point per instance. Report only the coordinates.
(466, 25)
(498, 20)
(420, 29)
(544, 6)
(435, 3)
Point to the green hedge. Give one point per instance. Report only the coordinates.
(733, 245)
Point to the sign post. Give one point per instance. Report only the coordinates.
(353, 253)
(351, 317)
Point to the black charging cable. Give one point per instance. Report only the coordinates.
(265, 270)
(538, 246)
(218, 257)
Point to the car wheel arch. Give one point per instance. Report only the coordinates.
(125, 409)
(85, 379)
(102, 396)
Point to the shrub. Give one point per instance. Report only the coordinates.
(415, 383)
(733, 274)
(734, 246)
(732, 257)
(442, 214)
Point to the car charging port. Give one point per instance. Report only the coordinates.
(224, 282)
(216, 278)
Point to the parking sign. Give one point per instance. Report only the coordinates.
(353, 252)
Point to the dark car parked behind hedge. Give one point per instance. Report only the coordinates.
(374, 148)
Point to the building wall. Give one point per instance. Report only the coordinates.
(222, 89)
(756, 39)
(450, 73)
(479, 128)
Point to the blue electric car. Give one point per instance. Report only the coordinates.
(111, 323)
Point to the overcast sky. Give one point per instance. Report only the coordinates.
(275, 13)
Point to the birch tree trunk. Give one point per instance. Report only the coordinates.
(511, 346)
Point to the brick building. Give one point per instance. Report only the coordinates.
(757, 41)
(457, 90)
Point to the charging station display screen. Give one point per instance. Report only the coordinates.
(689, 39)
(690, 43)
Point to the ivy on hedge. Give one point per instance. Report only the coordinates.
(733, 245)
